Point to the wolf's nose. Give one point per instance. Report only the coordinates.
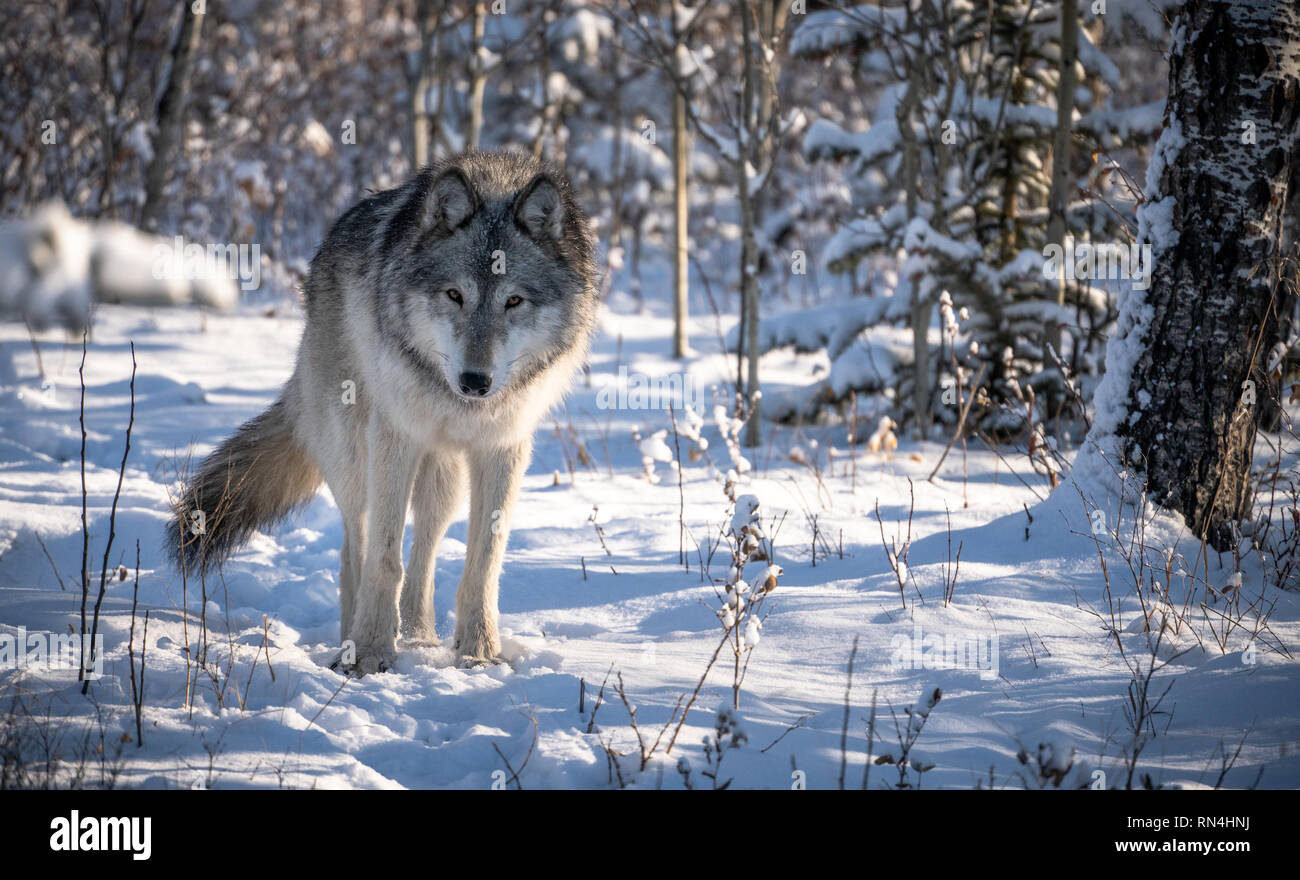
(475, 384)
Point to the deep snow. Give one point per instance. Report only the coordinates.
(1035, 588)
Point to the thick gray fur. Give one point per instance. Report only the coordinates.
(479, 266)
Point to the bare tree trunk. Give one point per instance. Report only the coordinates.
(748, 222)
(681, 203)
(114, 90)
(543, 81)
(1058, 200)
(477, 77)
(921, 307)
(751, 155)
(1288, 299)
(171, 113)
(618, 172)
(761, 123)
(421, 83)
(1215, 226)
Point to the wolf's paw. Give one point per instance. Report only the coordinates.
(478, 648)
(372, 663)
(420, 636)
(373, 658)
(468, 662)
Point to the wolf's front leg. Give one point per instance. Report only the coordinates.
(439, 488)
(495, 475)
(390, 469)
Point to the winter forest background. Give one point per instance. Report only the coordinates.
(976, 319)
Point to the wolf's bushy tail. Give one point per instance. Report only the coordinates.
(251, 480)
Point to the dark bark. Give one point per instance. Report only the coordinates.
(171, 114)
(1214, 291)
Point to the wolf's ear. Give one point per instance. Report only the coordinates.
(451, 201)
(539, 210)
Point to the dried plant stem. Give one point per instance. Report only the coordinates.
(112, 521)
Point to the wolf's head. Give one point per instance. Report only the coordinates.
(494, 262)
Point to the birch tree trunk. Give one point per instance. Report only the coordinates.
(1215, 225)
(1058, 200)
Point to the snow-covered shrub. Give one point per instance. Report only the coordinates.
(906, 733)
(54, 267)
(728, 733)
(1053, 765)
(730, 426)
(741, 614)
(950, 179)
(654, 449)
(688, 432)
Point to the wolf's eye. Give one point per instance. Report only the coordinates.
(514, 301)
(454, 295)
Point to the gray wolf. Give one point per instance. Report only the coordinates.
(444, 318)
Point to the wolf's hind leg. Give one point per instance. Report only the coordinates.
(348, 487)
(435, 498)
(390, 469)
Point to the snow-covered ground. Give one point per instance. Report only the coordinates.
(578, 601)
